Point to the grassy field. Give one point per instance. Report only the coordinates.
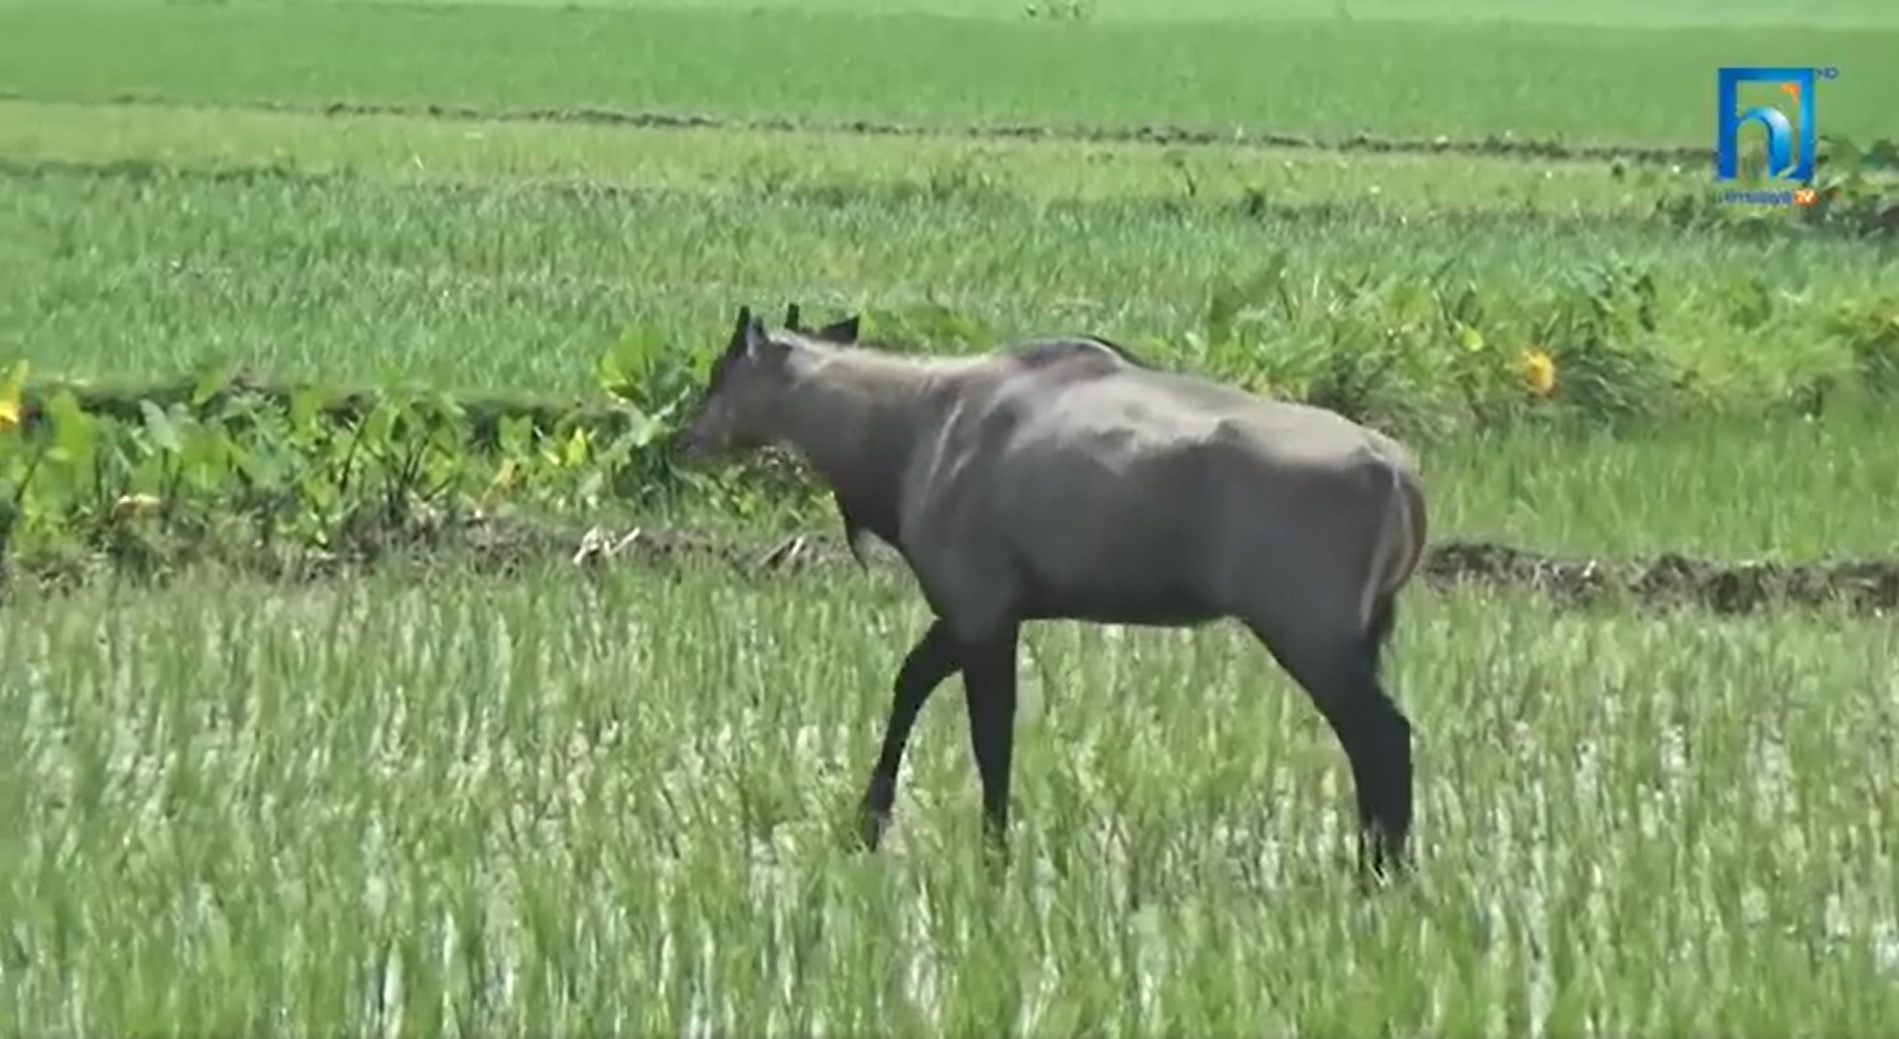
(478, 251)
(1328, 76)
(536, 806)
(532, 806)
(483, 253)
(1617, 13)
(427, 801)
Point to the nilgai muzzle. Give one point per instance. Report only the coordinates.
(1062, 479)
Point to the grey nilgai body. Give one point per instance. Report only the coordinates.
(1063, 479)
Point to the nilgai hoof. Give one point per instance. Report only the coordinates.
(871, 824)
(995, 864)
(1382, 868)
(995, 852)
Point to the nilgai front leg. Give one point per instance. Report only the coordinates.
(928, 664)
(989, 687)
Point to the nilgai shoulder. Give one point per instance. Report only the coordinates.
(864, 506)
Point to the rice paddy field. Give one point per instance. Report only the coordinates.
(423, 798)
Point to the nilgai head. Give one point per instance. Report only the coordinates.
(735, 410)
(738, 410)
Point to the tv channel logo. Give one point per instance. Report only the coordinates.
(1789, 142)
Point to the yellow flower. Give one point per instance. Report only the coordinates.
(1539, 372)
(135, 505)
(10, 388)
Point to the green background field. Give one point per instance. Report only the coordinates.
(1620, 13)
(1328, 75)
(196, 226)
(377, 271)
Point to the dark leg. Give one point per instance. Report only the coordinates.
(1384, 617)
(931, 661)
(1394, 745)
(1376, 738)
(989, 688)
(1388, 823)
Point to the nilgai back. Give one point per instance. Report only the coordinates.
(1063, 479)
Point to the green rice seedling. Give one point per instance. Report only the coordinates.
(547, 805)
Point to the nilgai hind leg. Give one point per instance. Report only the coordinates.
(1341, 676)
(989, 687)
(928, 664)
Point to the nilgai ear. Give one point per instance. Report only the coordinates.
(739, 332)
(844, 331)
(791, 317)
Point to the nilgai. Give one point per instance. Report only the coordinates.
(1063, 479)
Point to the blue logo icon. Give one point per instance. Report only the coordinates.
(1789, 141)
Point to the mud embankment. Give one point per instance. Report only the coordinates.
(1489, 146)
(1865, 586)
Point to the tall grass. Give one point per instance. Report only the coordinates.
(549, 807)
(349, 278)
